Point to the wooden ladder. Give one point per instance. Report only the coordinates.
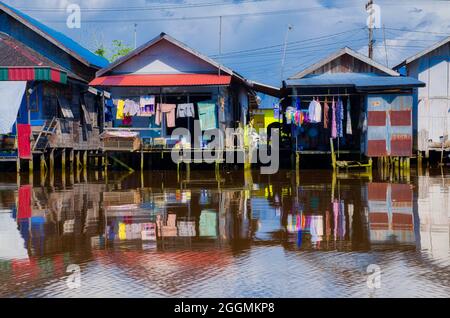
(47, 129)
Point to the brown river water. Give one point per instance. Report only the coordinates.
(233, 234)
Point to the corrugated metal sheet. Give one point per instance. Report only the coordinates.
(389, 125)
(162, 80)
(42, 74)
(400, 117)
(3, 74)
(21, 74)
(377, 148)
(401, 146)
(376, 118)
(362, 81)
(32, 74)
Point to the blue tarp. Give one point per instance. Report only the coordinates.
(73, 46)
(357, 80)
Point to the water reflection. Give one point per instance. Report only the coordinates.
(227, 235)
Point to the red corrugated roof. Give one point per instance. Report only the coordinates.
(162, 80)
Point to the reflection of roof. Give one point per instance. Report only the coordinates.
(360, 81)
(60, 40)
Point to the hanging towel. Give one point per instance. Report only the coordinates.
(131, 108)
(12, 95)
(23, 140)
(312, 109)
(147, 106)
(120, 106)
(317, 112)
(326, 109)
(349, 118)
(207, 115)
(185, 110)
(169, 110)
(333, 120)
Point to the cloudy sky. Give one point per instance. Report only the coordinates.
(253, 31)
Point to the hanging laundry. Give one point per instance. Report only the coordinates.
(312, 109)
(349, 118)
(131, 108)
(127, 121)
(326, 110)
(340, 118)
(289, 111)
(333, 120)
(23, 141)
(185, 110)
(362, 125)
(109, 105)
(147, 106)
(315, 111)
(120, 106)
(169, 110)
(207, 115)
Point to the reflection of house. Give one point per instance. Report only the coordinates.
(431, 104)
(48, 73)
(434, 213)
(164, 85)
(391, 216)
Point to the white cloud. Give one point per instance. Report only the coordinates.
(316, 18)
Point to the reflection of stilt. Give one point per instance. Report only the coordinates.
(85, 159)
(297, 169)
(71, 159)
(63, 160)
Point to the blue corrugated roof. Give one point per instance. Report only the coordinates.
(64, 40)
(357, 80)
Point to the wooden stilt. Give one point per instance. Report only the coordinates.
(142, 160)
(18, 165)
(31, 170)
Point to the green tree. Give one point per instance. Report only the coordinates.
(117, 50)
